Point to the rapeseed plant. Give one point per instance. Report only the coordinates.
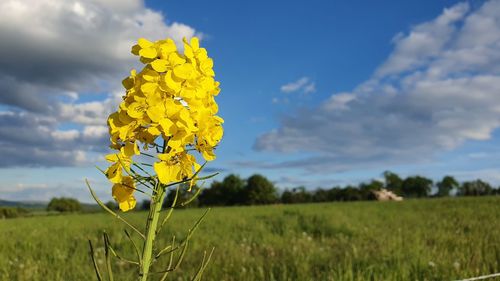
(167, 115)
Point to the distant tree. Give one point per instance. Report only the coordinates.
(447, 184)
(287, 197)
(496, 191)
(335, 194)
(348, 193)
(232, 187)
(12, 212)
(112, 205)
(393, 182)
(211, 196)
(367, 189)
(296, 195)
(475, 188)
(320, 195)
(351, 193)
(416, 186)
(228, 192)
(259, 190)
(64, 205)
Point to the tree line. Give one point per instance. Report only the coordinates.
(258, 190)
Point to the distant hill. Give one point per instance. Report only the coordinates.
(40, 205)
(23, 204)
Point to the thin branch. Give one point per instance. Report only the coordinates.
(163, 251)
(102, 171)
(140, 168)
(135, 246)
(147, 154)
(164, 277)
(120, 258)
(190, 233)
(138, 177)
(107, 247)
(203, 265)
(181, 257)
(169, 213)
(134, 177)
(179, 260)
(136, 189)
(111, 211)
(128, 172)
(190, 179)
(192, 198)
(195, 277)
(96, 267)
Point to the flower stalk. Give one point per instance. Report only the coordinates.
(166, 116)
(151, 228)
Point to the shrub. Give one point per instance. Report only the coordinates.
(8, 213)
(64, 205)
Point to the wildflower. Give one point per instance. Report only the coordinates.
(123, 193)
(172, 101)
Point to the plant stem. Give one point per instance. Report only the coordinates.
(159, 193)
(151, 226)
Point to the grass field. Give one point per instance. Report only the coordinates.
(433, 239)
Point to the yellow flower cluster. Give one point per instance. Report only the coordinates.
(173, 97)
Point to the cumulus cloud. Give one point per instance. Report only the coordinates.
(439, 88)
(61, 64)
(30, 139)
(42, 192)
(424, 42)
(303, 85)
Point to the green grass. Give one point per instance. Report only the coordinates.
(440, 239)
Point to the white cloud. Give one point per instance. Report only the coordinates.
(56, 53)
(304, 85)
(424, 42)
(43, 192)
(95, 131)
(69, 135)
(310, 88)
(438, 89)
(339, 101)
(23, 186)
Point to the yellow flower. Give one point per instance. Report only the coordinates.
(129, 150)
(172, 101)
(123, 194)
(145, 49)
(167, 172)
(167, 47)
(114, 173)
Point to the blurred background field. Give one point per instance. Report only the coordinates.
(421, 239)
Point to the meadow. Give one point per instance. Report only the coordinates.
(427, 239)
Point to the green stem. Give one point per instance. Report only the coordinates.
(159, 193)
(151, 226)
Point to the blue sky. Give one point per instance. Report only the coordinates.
(320, 93)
